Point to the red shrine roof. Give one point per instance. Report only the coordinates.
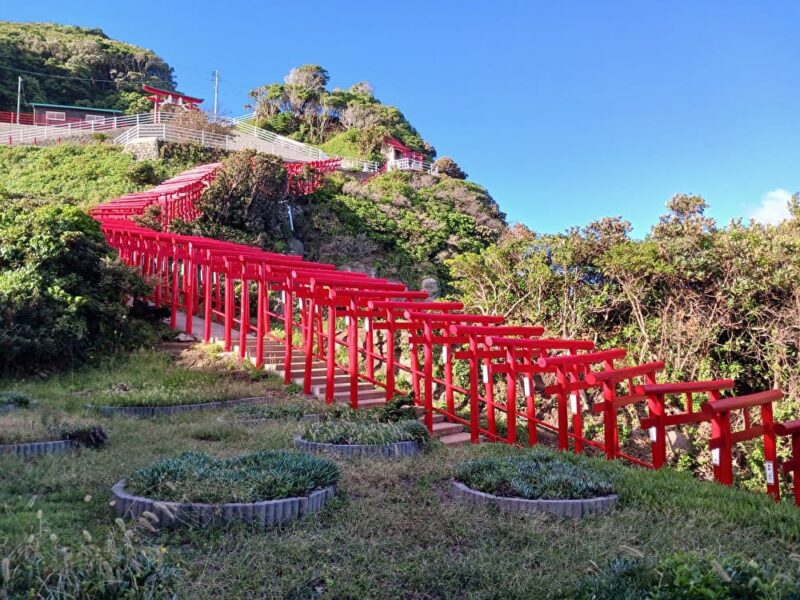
(174, 96)
(397, 144)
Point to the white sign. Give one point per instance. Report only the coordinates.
(485, 374)
(652, 432)
(526, 384)
(573, 403)
(715, 457)
(769, 468)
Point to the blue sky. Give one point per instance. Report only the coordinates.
(566, 111)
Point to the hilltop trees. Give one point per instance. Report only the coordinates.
(80, 66)
(303, 108)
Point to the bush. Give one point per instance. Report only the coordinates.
(267, 475)
(145, 172)
(122, 566)
(16, 399)
(277, 410)
(688, 576)
(534, 474)
(365, 432)
(62, 294)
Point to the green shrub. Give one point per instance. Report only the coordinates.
(276, 410)
(365, 432)
(399, 408)
(688, 576)
(13, 398)
(267, 475)
(144, 172)
(62, 295)
(534, 474)
(123, 565)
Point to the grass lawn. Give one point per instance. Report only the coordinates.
(392, 532)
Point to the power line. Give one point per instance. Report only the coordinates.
(52, 76)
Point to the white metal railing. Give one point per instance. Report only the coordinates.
(176, 133)
(410, 164)
(147, 124)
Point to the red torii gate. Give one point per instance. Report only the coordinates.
(200, 275)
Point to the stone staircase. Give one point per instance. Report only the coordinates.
(369, 396)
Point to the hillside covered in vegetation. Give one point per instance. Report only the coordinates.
(65, 64)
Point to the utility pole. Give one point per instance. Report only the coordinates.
(19, 95)
(216, 91)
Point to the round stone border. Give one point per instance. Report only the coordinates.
(160, 411)
(561, 508)
(261, 514)
(395, 450)
(38, 448)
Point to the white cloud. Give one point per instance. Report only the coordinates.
(774, 207)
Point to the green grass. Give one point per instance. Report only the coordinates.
(85, 174)
(286, 409)
(394, 531)
(537, 474)
(364, 432)
(22, 426)
(265, 475)
(690, 575)
(145, 378)
(343, 144)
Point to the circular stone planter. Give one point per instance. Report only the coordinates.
(261, 514)
(38, 448)
(561, 508)
(396, 449)
(160, 411)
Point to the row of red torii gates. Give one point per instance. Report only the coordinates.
(356, 324)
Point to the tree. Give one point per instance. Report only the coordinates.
(447, 166)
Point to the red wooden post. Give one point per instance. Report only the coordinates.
(474, 406)
(244, 316)
(331, 356)
(511, 396)
(208, 288)
(428, 373)
(770, 452)
(530, 406)
(229, 307)
(260, 319)
(448, 378)
(287, 330)
(352, 348)
(309, 341)
(390, 389)
(173, 315)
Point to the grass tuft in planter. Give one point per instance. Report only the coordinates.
(267, 475)
(366, 432)
(290, 409)
(537, 474)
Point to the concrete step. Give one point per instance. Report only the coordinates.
(443, 429)
(455, 439)
(339, 387)
(362, 395)
(362, 403)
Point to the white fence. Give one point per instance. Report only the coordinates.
(408, 164)
(243, 135)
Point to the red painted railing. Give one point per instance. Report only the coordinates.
(367, 329)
